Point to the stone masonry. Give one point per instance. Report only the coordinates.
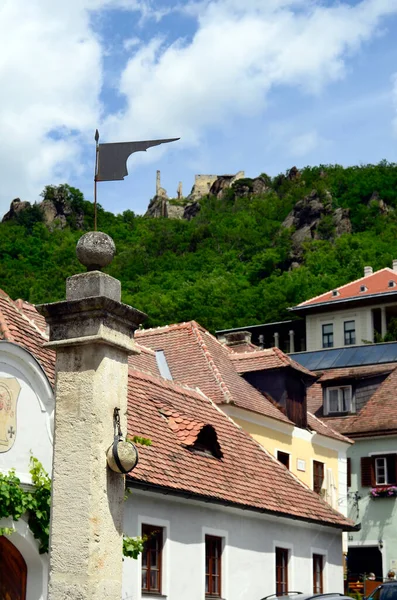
(92, 333)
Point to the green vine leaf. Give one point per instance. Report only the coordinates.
(36, 503)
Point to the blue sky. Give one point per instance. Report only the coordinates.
(258, 86)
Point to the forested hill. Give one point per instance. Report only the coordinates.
(243, 259)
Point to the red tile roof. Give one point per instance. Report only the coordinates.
(145, 361)
(17, 325)
(377, 283)
(269, 358)
(242, 347)
(196, 358)
(246, 475)
(357, 372)
(379, 414)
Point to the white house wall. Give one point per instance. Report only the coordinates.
(248, 560)
(34, 415)
(314, 322)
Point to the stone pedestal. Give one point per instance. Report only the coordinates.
(92, 333)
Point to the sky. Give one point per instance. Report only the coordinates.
(253, 85)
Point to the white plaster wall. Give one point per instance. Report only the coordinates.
(248, 562)
(34, 412)
(314, 322)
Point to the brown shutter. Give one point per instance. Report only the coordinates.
(367, 471)
(349, 472)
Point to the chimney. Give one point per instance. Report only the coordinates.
(368, 271)
(395, 264)
(237, 337)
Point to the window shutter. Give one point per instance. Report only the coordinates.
(349, 472)
(367, 471)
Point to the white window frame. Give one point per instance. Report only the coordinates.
(327, 324)
(351, 408)
(378, 460)
(349, 331)
(224, 535)
(165, 525)
(324, 553)
(291, 562)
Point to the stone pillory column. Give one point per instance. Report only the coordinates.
(92, 333)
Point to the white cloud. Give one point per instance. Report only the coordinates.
(239, 52)
(51, 74)
(303, 144)
(50, 80)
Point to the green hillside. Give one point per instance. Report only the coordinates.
(233, 264)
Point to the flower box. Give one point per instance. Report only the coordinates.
(383, 491)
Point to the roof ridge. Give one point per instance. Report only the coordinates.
(366, 277)
(330, 428)
(207, 354)
(30, 321)
(146, 349)
(182, 325)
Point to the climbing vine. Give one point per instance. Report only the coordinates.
(15, 502)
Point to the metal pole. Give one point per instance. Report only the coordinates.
(95, 177)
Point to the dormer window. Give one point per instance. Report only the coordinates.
(207, 442)
(338, 400)
(335, 293)
(392, 284)
(363, 288)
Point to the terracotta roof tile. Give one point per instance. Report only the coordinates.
(269, 358)
(356, 372)
(242, 347)
(245, 475)
(378, 415)
(377, 283)
(19, 323)
(145, 361)
(198, 359)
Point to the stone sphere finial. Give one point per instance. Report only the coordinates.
(95, 250)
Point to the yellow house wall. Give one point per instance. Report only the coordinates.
(297, 448)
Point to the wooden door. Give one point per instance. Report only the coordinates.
(13, 572)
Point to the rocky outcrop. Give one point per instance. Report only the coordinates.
(162, 207)
(16, 207)
(314, 218)
(55, 212)
(377, 202)
(157, 207)
(191, 210)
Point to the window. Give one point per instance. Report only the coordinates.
(339, 399)
(318, 566)
(392, 283)
(213, 553)
(363, 288)
(281, 571)
(318, 476)
(328, 336)
(151, 558)
(350, 332)
(379, 470)
(385, 469)
(335, 293)
(283, 457)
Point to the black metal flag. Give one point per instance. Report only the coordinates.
(111, 161)
(112, 158)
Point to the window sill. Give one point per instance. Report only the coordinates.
(154, 594)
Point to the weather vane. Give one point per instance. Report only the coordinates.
(111, 161)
